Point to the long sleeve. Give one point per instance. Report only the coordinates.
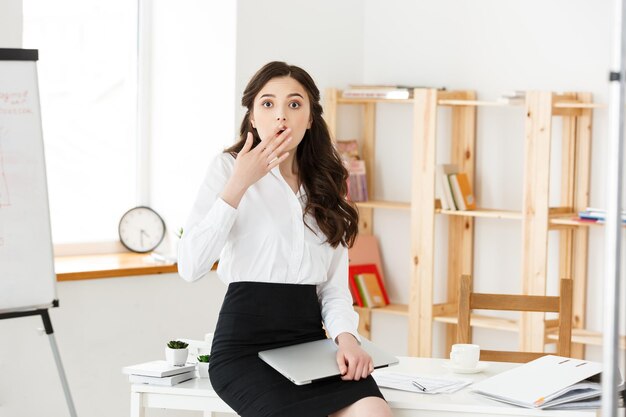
(335, 298)
(209, 223)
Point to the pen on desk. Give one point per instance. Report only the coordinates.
(418, 385)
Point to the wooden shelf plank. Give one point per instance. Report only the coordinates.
(486, 322)
(587, 337)
(569, 104)
(397, 309)
(565, 104)
(571, 219)
(486, 213)
(476, 103)
(393, 205)
(341, 100)
(577, 105)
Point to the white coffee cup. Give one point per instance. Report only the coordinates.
(465, 355)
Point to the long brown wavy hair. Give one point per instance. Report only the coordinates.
(321, 171)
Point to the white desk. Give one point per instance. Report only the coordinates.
(197, 394)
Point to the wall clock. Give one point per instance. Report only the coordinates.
(141, 229)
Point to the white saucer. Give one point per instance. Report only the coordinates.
(481, 366)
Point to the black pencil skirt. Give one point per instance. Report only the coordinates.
(258, 316)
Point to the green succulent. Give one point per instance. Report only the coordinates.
(204, 358)
(179, 233)
(177, 344)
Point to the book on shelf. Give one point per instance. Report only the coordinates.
(157, 369)
(462, 190)
(368, 288)
(357, 180)
(444, 189)
(597, 215)
(357, 177)
(365, 301)
(546, 382)
(166, 381)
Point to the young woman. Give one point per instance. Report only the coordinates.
(273, 209)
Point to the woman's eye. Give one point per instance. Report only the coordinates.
(294, 104)
(266, 104)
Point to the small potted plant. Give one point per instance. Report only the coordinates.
(203, 366)
(176, 352)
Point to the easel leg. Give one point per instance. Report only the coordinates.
(57, 358)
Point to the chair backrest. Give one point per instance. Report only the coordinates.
(562, 304)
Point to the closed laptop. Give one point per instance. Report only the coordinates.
(307, 362)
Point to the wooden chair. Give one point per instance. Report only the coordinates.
(562, 305)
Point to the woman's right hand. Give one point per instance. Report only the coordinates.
(253, 164)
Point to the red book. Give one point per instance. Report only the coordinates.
(364, 269)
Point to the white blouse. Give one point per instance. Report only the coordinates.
(265, 240)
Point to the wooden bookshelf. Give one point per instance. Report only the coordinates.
(537, 218)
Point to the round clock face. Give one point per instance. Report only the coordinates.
(141, 229)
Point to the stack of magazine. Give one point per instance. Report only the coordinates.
(159, 373)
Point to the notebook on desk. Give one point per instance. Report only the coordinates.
(308, 362)
(543, 383)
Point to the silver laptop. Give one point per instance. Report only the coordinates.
(308, 362)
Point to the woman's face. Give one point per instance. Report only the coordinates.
(282, 103)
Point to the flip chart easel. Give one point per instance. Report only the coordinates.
(47, 324)
(27, 277)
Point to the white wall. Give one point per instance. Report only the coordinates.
(323, 37)
(11, 27)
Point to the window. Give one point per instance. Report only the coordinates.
(88, 89)
(133, 107)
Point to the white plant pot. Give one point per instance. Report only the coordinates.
(176, 357)
(203, 369)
